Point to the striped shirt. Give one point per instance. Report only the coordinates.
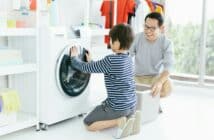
(118, 74)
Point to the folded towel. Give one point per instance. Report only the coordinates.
(10, 57)
(10, 100)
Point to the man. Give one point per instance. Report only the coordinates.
(153, 56)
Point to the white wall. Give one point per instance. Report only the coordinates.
(5, 5)
(95, 14)
(71, 11)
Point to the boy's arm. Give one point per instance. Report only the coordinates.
(101, 66)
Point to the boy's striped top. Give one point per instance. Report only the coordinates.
(118, 72)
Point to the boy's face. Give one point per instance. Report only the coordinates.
(115, 46)
(152, 29)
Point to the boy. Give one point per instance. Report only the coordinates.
(118, 72)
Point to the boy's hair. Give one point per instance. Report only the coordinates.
(124, 34)
(157, 16)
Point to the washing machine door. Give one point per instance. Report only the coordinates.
(70, 81)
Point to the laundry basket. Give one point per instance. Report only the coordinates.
(148, 105)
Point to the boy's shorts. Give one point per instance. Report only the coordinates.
(104, 112)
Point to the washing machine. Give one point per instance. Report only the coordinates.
(64, 91)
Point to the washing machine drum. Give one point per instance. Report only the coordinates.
(72, 82)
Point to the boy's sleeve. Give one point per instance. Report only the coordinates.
(101, 66)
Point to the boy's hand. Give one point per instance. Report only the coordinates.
(88, 56)
(73, 51)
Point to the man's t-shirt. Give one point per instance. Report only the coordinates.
(151, 58)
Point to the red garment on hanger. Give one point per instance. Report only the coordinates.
(151, 6)
(33, 5)
(124, 7)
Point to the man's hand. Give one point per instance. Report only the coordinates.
(156, 88)
(73, 51)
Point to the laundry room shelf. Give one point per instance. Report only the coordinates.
(18, 32)
(99, 32)
(17, 69)
(24, 120)
(21, 77)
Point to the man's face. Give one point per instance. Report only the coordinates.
(151, 29)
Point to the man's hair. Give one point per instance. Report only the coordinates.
(157, 16)
(124, 34)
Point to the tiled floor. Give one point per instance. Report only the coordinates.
(188, 114)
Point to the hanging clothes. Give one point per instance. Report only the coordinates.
(130, 16)
(107, 10)
(151, 6)
(158, 7)
(155, 7)
(124, 8)
(33, 5)
(138, 2)
(137, 21)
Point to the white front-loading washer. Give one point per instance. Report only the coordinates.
(64, 92)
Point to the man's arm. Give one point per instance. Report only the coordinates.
(167, 63)
(163, 76)
(135, 43)
(132, 50)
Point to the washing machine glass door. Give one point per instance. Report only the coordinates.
(70, 81)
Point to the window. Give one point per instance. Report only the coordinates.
(183, 21)
(210, 39)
